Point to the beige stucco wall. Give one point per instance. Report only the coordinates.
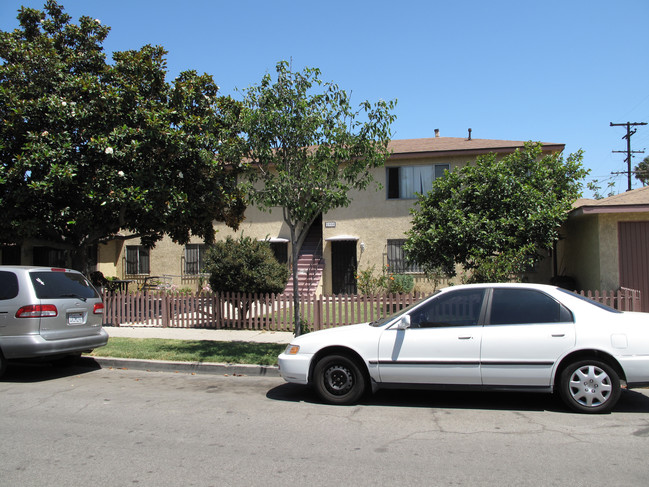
(371, 218)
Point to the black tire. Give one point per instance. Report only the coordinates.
(339, 380)
(3, 364)
(590, 386)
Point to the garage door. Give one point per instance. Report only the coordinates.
(634, 258)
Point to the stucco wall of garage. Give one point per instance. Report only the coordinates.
(590, 251)
(578, 251)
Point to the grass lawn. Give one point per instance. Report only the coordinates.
(191, 350)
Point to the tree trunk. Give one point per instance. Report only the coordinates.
(296, 294)
(80, 260)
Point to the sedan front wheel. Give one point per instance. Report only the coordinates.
(338, 380)
(590, 386)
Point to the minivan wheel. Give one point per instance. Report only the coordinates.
(3, 364)
(590, 386)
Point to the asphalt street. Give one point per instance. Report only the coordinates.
(71, 426)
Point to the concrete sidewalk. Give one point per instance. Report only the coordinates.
(259, 336)
(192, 334)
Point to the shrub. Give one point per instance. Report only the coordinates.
(401, 283)
(244, 265)
(386, 282)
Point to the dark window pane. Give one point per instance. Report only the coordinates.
(11, 255)
(393, 182)
(8, 285)
(455, 308)
(521, 306)
(50, 285)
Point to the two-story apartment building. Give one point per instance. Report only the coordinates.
(370, 232)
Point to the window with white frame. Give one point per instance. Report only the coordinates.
(397, 261)
(405, 182)
(194, 258)
(137, 260)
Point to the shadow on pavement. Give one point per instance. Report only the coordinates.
(632, 401)
(40, 371)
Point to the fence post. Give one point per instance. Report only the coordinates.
(164, 306)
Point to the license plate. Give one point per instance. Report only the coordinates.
(75, 319)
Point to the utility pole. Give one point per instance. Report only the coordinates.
(628, 150)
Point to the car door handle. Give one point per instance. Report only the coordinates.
(464, 338)
(558, 335)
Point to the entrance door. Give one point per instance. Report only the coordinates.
(634, 258)
(343, 267)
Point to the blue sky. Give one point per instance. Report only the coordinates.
(555, 71)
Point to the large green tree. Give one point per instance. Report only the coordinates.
(495, 216)
(90, 150)
(308, 148)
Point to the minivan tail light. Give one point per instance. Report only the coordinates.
(37, 311)
(98, 308)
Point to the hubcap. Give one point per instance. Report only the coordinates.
(590, 386)
(338, 379)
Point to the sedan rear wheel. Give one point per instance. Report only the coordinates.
(3, 364)
(339, 380)
(590, 386)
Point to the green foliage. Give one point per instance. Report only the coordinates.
(370, 284)
(596, 188)
(642, 171)
(401, 284)
(89, 149)
(245, 265)
(493, 217)
(309, 148)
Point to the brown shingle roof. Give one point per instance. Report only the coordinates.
(436, 146)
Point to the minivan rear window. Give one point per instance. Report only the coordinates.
(8, 285)
(57, 284)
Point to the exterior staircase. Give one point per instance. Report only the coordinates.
(310, 264)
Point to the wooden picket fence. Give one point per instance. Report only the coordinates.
(247, 311)
(275, 312)
(624, 299)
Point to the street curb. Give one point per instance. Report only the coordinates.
(187, 367)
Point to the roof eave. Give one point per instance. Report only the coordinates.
(594, 210)
(470, 152)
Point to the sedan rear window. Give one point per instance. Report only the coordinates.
(522, 306)
(590, 301)
(57, 284)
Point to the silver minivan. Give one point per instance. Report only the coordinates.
(48, 312)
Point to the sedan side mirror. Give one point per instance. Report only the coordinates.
(404, 323)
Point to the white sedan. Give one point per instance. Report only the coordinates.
(523, 337)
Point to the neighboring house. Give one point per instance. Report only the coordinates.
(605, 243)
(369, 233)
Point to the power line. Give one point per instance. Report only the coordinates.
(628, 150)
